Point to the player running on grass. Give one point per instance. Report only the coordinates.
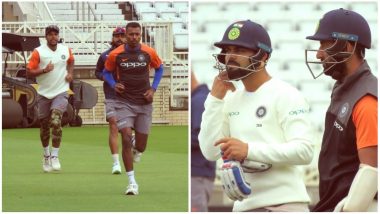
(118, 38)
(134, 95)
(52, 64)
(263, 131)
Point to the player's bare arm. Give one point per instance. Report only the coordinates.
(70, 72)
(368, 155)
(38, 71)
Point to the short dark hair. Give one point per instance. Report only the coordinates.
(132, 25)
(51, 28)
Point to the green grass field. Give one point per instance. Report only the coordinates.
(85, 182)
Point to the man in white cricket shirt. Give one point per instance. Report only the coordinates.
(262, 132)
(53, 65)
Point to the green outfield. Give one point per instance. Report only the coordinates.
(85, 182)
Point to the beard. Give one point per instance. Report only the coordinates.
(236, 73)
(117, 43)
(335, 71)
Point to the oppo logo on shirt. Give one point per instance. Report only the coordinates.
(233, 113)
(299, 111)
(338, 126)
(132, 64)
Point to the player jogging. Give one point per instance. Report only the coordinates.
(53, 65)
(118, 38)
(134, 95)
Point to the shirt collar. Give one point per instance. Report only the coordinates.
(128, 48)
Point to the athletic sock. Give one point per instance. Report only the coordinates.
(115, 158)
(131, 176)
(133, 141)
(46, 151)
(54, 151)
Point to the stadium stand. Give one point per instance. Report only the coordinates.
(181, 5)
(172, 11)
(288, 23)
(327, 6)
(162, 5)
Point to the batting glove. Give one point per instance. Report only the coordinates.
(233, 181)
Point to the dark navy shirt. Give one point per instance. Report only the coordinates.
(339, 160)
(199, 165)
(131, 67)
(109, 93)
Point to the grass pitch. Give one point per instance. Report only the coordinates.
(85, 182)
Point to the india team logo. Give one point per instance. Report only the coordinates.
(343, 110)
(261, 111)
(234, 33)
(141, 58)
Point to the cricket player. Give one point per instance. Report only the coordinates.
(348, 158)
(134, 94)
(53, 66)
(263, 133)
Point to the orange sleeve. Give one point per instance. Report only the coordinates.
(155, 60)
(71, 57)
(364, 116)
(34, 60)
(110, 63)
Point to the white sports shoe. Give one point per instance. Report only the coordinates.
(136, 155)
(135, 152)
(46, 164)
(132, 189)
(55, 163)
(116, 169)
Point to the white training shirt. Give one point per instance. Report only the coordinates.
(52, 83)
(274, 122)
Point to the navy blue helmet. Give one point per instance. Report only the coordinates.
(345, 22)
(341, 27)
(246, 34)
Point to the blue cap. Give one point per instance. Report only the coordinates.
(344, 23)
(246, 34)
